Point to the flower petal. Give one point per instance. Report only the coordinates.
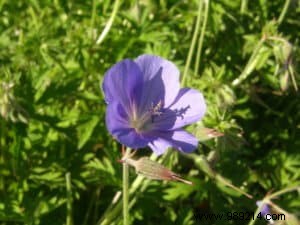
(183, 141)
(161, 78)
(265, 209)
(159, 145)
(132, 139)
(118, 126)
(123, 82)
(179, 139)
(188, 107)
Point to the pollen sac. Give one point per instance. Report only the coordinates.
(156, 110)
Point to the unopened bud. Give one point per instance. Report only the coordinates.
(284, 81)
(204, 134)
(153, 170)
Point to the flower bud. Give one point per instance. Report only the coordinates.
(153, 170)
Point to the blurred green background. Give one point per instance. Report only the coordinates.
(58, 164)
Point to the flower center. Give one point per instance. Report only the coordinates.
(145, 121)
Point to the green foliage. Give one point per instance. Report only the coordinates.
(58, 164)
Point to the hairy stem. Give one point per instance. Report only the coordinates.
(201, 38)
(126, 190)
(284, 11)
(109, 23)
(193, 43)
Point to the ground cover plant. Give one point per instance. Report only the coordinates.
(60, 165)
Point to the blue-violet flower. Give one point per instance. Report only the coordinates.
(146, 106)
(265, 209)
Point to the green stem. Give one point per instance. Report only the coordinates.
(283, 191)
(244, 6)
(251, 64)
(110, 22)
(90, 207)
(284, 10)
(252, 221)
(93, 18)
(267, 199)
(69, 220)
(3, 132)
(126, 190)
(291, 71)
(139, 185)
(192, 47)
(201, 38)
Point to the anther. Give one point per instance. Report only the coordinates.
(156, 110)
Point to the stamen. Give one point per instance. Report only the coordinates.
(156, 110)
(143, 122)
(180, 112)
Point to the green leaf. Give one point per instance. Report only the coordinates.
(86, 129)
